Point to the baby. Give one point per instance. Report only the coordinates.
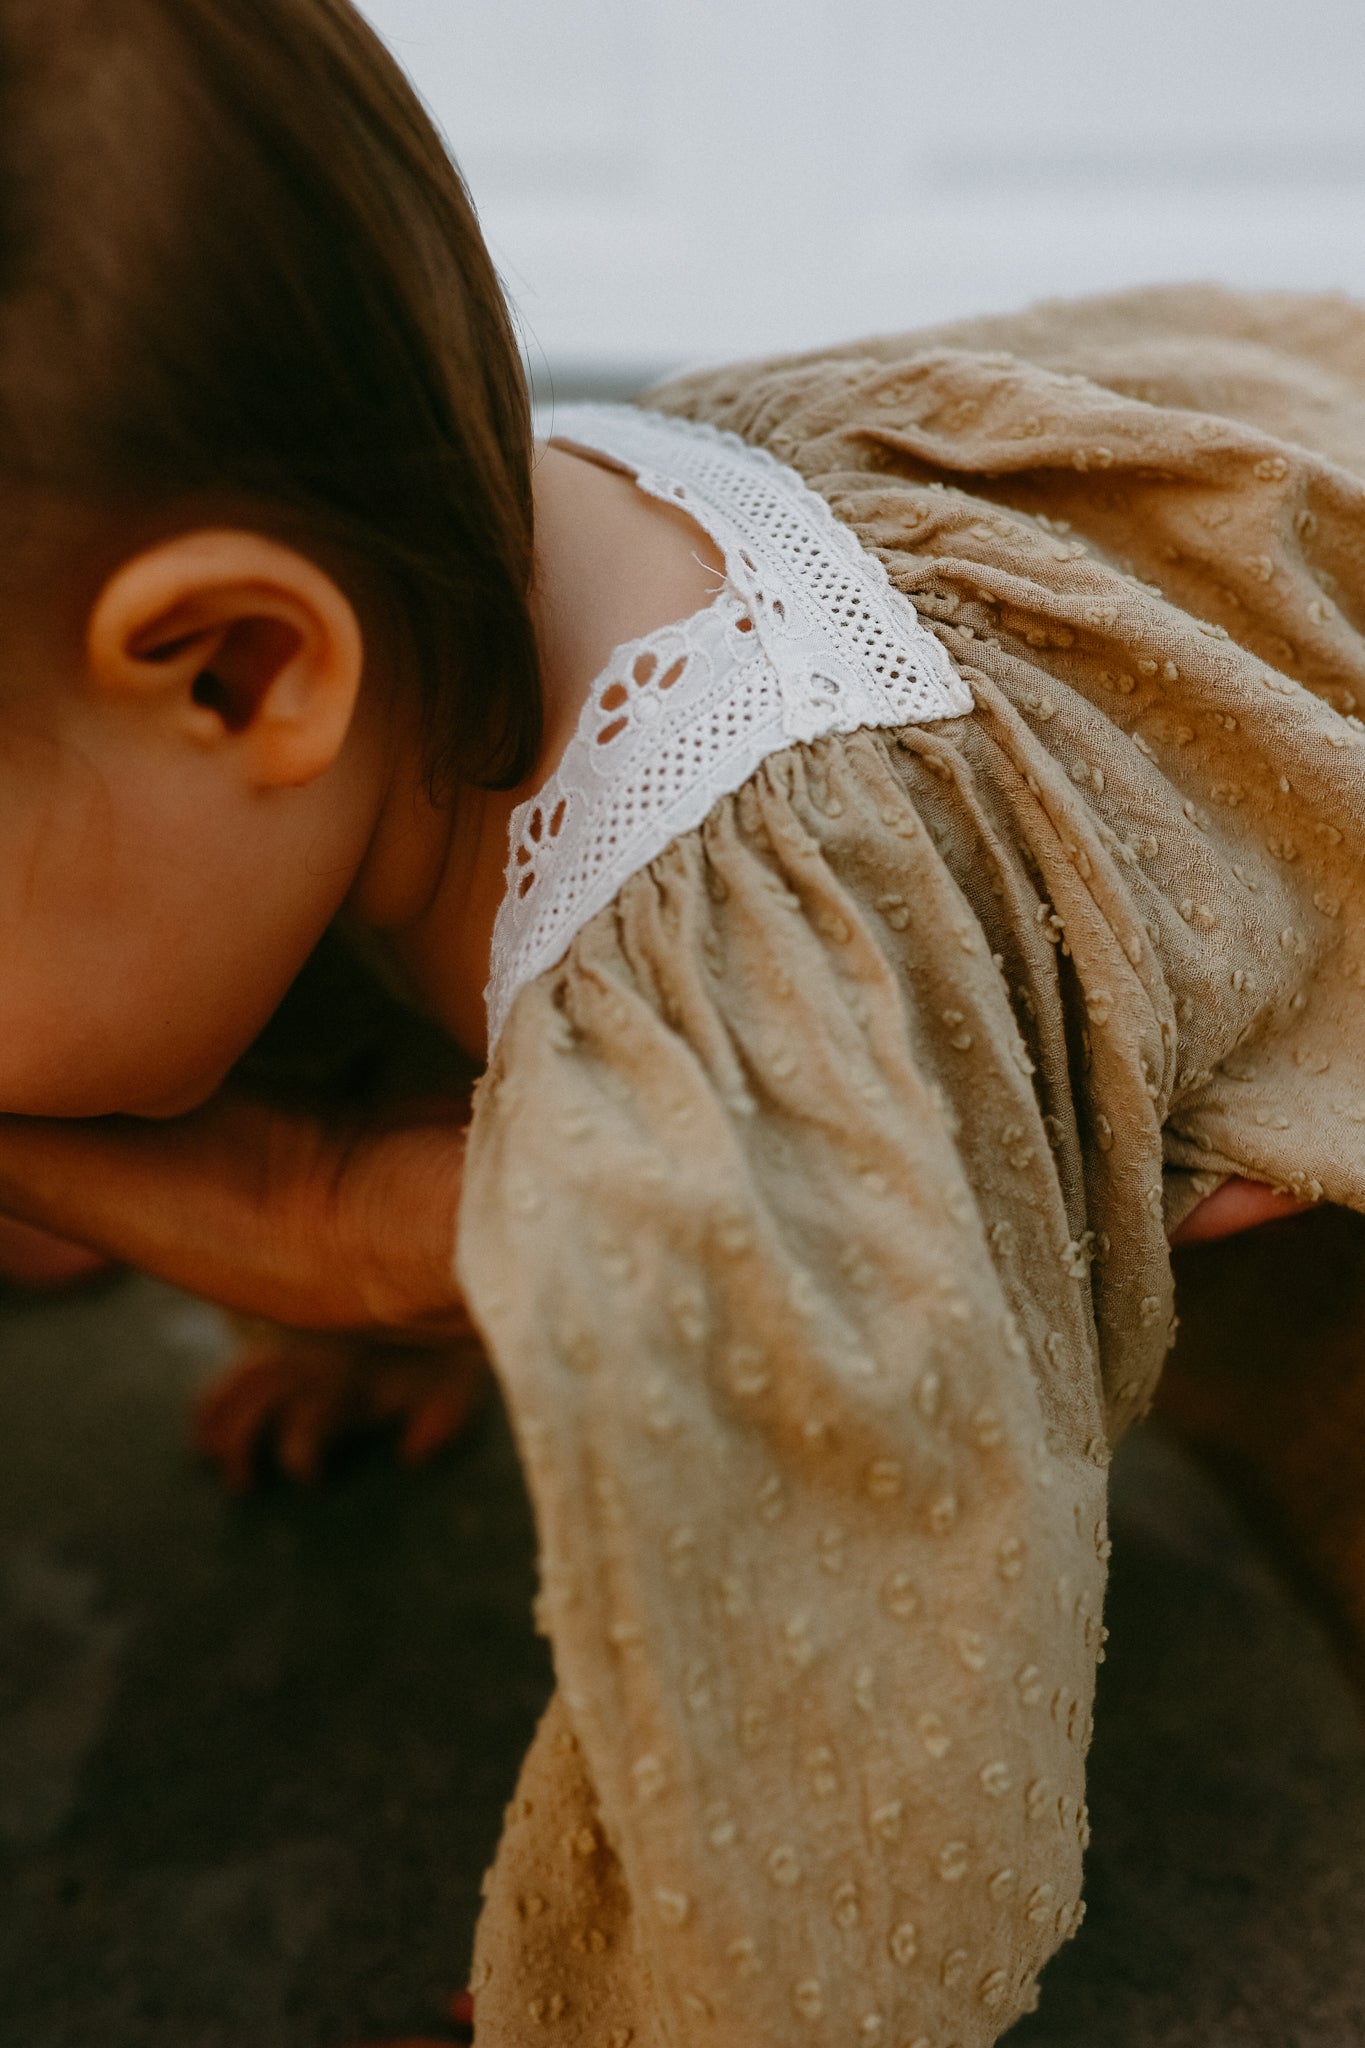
(884, 828)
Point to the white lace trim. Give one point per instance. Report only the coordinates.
(807, 637)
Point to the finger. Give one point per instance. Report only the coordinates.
(462, 2012)
(304, 1435)
(228, 1423)
(1237, 1205)
(241, 1402)
(434, 1424)
(449, 1408)
(231, 1455)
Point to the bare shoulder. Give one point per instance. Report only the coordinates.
(636, 563)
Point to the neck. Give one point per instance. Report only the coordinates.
(611, 565)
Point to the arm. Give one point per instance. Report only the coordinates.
(36, 1262)
(338, 1225)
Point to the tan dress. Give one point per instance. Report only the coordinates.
(817, 1199)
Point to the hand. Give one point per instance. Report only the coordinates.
(305, 1394)
(1237, 1205)
(341, 1223)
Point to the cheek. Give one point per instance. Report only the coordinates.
(153, 912)
(117, 995)
(82, 1035)
(57, 886)
(57, 835)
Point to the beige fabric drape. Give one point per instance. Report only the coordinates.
(816, 1203)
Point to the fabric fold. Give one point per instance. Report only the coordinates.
(817, 1200)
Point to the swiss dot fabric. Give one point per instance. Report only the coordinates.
(816, 1200)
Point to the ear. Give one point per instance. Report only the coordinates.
(234, 638)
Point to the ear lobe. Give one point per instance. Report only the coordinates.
(233, 638)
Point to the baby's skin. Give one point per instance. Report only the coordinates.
(36, 1262)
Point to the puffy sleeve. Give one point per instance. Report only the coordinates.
(782, 1260)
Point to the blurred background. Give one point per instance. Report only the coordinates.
(669, 182)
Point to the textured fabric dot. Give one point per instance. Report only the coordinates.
(809, 1999)
(934, 1735)
(846, 1909)
(888, 1820)
(885, 1477)
(904, 1943)
(993, 1987)
(900, 1596)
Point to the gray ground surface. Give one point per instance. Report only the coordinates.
(253, 1754)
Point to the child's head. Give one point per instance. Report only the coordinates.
(265, 502)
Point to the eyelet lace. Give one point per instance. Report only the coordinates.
(807, 637)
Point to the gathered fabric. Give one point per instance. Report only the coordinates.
(817, 1199)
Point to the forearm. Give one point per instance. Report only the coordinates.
(263, 1212)
(75, 1180)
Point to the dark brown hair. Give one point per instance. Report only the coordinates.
(236, 256)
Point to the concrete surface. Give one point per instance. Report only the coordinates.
(253, 1754)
